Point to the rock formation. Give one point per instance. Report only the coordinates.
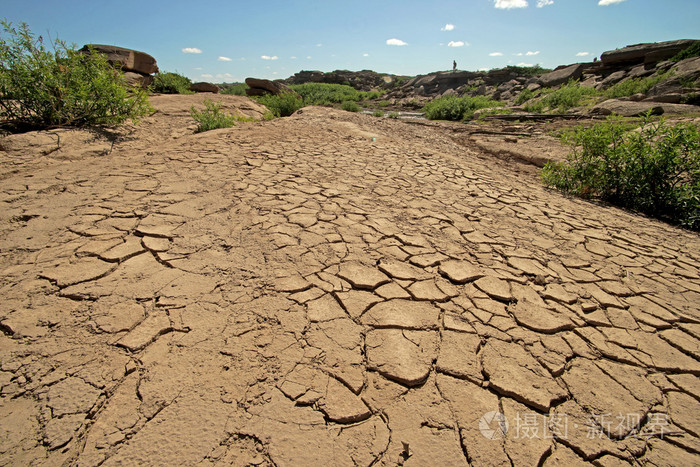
(204, 87)
(138, 66)
(365, 80)
(260, 87)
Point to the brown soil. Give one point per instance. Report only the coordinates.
(332, 289)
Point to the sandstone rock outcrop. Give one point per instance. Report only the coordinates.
(204, 87)
(648, 53)
(365, 80)
(260, 87)
(138, 66)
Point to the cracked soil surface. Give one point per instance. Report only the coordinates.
(331, 289)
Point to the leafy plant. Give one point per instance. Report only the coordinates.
(171, 83)
(42, 88)
(282, 105)
(654, 169)
(690, 52)
(635, 86)
(560, 100)
(524, 96)
(350, 106)
(236, 89)
(378, 113)
(457, 108)
(213, 117)
(535, 70)
(395, 115)
(329, 94)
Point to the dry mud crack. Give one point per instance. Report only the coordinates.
(331, 288)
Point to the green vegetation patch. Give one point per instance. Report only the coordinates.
(213, 117)
(350, 106)
(171, 83)
(235, 89)
(43, 88)
(561, 100)
(634, 86)
(282, 105)
(457, 108)
(690, 52)
(654, 169)
(330, 94)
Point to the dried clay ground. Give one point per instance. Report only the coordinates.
(331, 289)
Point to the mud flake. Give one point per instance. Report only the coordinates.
(402, 356)
(361, 276)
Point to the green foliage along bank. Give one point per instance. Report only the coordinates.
(44, 87)
(457, 108)
(171, 83)
(654, 169)
(213, 117)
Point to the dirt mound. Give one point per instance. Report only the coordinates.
(332, 288)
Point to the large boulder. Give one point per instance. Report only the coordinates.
(259, 87)
(562, 75)
(645, 53)
(138, 80)
(626, 108)
(127, 59)
(365, 80)
(204, 87)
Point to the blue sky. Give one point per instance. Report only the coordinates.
(226, 41)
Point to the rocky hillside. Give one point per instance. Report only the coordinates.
(365, 80)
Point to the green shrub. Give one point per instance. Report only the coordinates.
(457, 108)
(535, 70)
(378, 113)
(635, 86)
(282, 105)
(235, 89)
(690, 52)
(394, 115)
(326, 94)
(350, 106)
(62, 87)
(654, 169)
(524, 96)
(383, 103)
(171, 83)
(568, 96)
(213, 117)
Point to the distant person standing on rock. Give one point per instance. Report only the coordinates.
(454, 65)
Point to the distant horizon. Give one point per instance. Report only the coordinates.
(225, 42)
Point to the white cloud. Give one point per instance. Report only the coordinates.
(537, 52)
(457, 44)
(365, 55)
(319, 45)
(544, 3)
(524, 64)
(583, 54)
(267, 57)
(448, 27)
(508, 4)
(519, 54)
(609, 2)
(191, 50)
(495, 54)
(206, 75)
(308, 57)
(199, 68)
(224, 59)
(395, 41)
(293, 57)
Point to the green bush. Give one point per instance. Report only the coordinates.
(535, 70)
(457, 108)
(378, 113)
(171, 83)
(350, 106)
(330, 94)
(560, 100)
(690, 52)
(394, 115)
(654, 169)
(283, 105)
(634, 86)
(62, 87)
(213, 117)
(524, 96)
(236, 89)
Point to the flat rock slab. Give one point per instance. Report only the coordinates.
(325, 308)
(495, 288)
(403, 271)
(513, 372)
(401, 355)
(406, 314)
(539, 318)
(86, 269)
(147, 331)
(361, 276)
(458, 355)
(72, 396)
(460, 272)
(341, 405)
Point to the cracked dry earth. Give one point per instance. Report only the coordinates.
(296, 292)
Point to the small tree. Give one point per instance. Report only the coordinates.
(42, 88)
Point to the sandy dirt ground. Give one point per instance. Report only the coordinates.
(331, 289)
